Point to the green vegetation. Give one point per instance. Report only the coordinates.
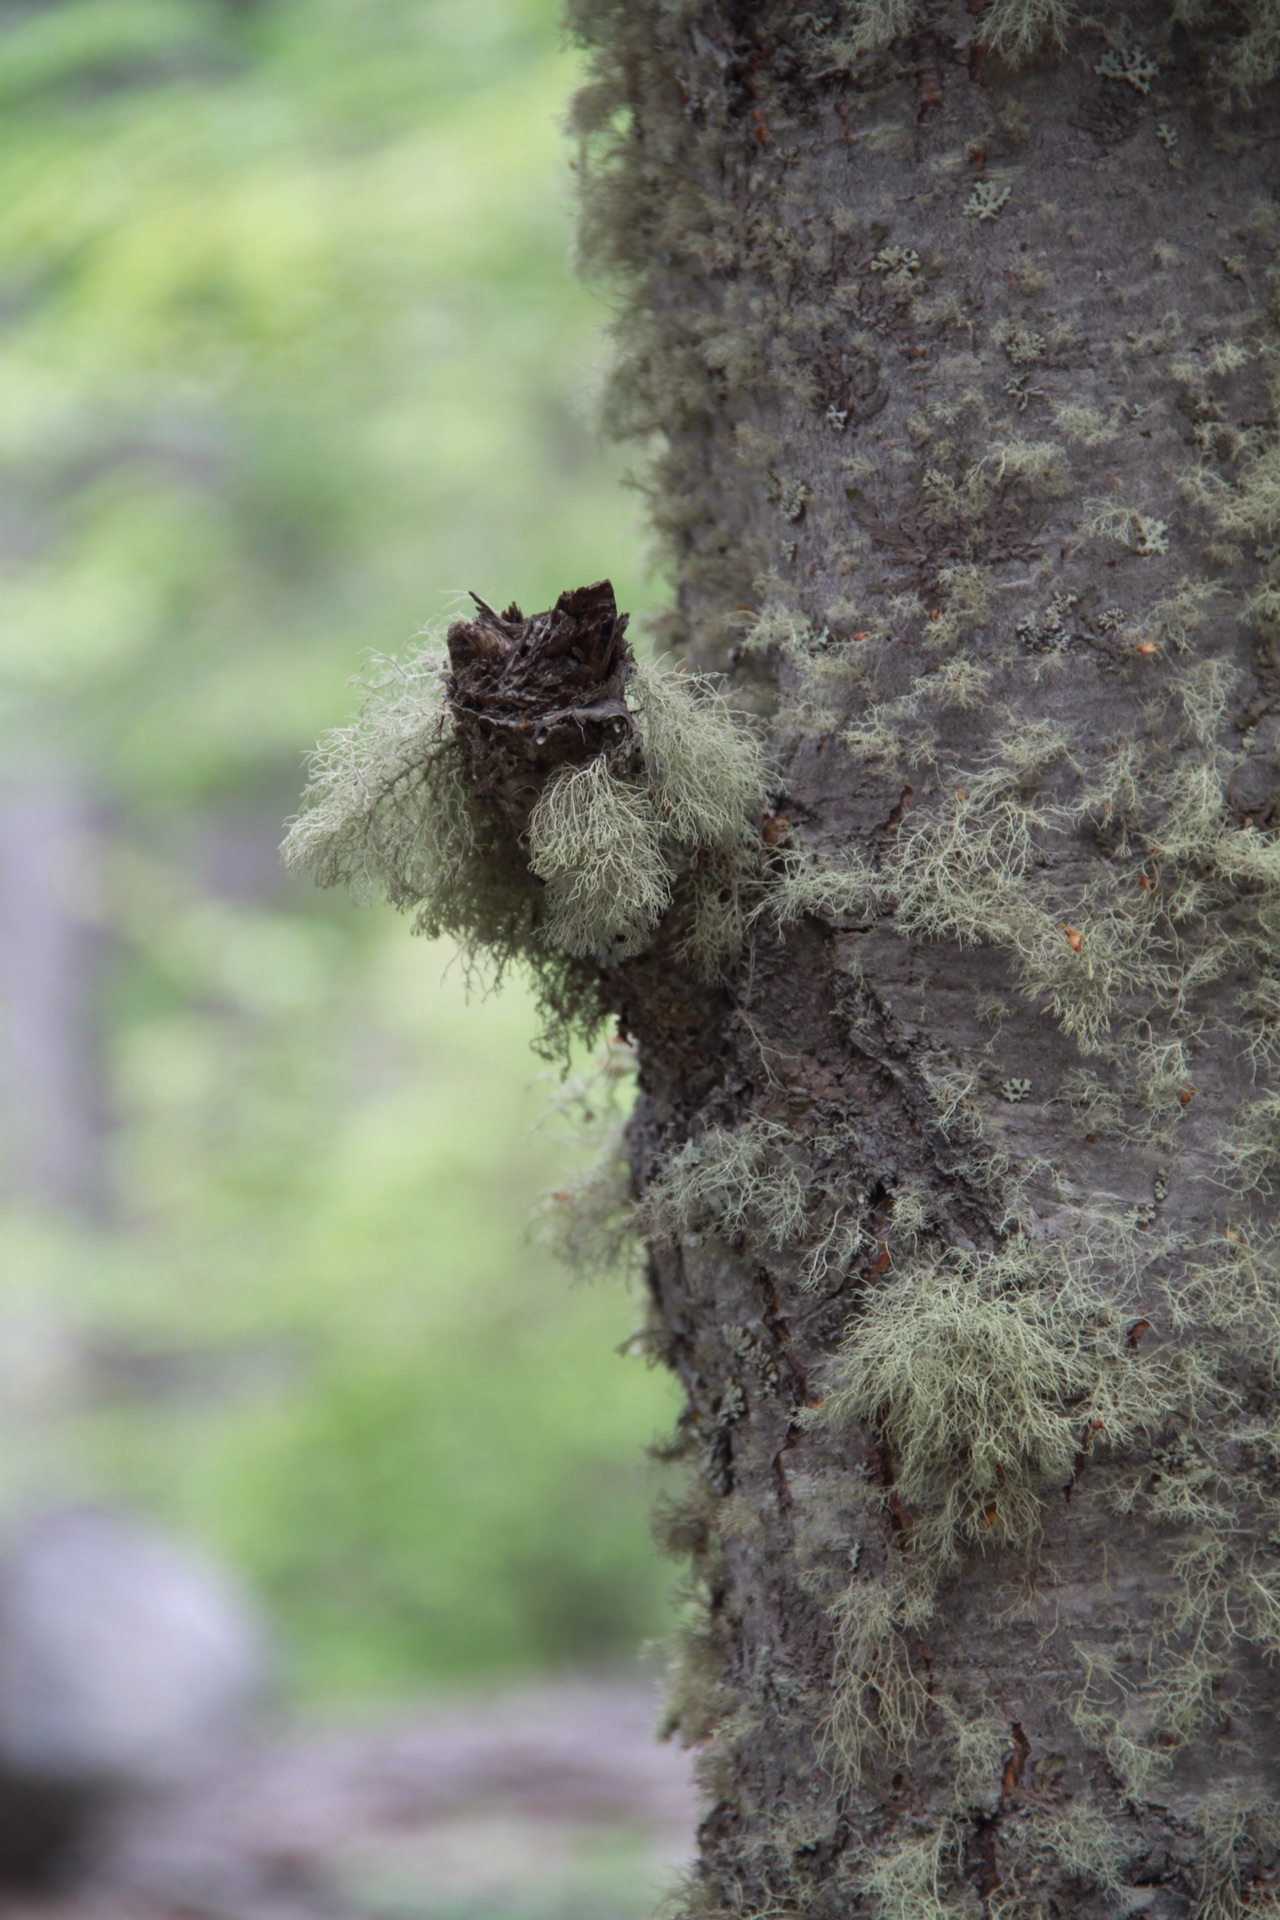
(292, 359)
(371, 1388)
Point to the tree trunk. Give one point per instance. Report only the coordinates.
(963, 367)
(955, 329)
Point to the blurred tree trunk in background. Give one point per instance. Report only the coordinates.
(957, 346)
(48, 982)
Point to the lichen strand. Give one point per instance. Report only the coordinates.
(957, 333)
(544, 798)
(1241, 43)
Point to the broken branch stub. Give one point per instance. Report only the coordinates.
(542, 796)
(529, 696)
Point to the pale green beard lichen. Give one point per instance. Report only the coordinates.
(1237, 1830)
(707, 774)
(880, 1702)
(728, 1181)
(1039, 1841)
(705, 767)
(1020, 28)
(877, 22)
(588, 1224)
(982, 1372)
(392, 808)
(915, 1880)
(363, 804)
(1140, 532)
(595, 840)
(389, 810)
(1248, 509)
(1246, 38)
(793, 1195)
(802, 884)
(969, 876)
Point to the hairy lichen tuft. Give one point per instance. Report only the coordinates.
(986, 1374)
(728, 1180)
(517, 800)
(595, 840)
(706, 767)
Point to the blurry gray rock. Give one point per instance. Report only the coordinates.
(124, 1658)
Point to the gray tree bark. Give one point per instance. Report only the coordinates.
(961, 368)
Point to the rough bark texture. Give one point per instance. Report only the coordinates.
(964, 373)
(538, 694)
(956, 1145)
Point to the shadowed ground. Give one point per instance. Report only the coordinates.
(557, 1802)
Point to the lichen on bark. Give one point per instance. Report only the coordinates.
(959, 326)
(953, 334)
(546, 799)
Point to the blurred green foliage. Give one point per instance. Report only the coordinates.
(293, 355)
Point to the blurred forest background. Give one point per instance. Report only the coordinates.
(293, 356)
